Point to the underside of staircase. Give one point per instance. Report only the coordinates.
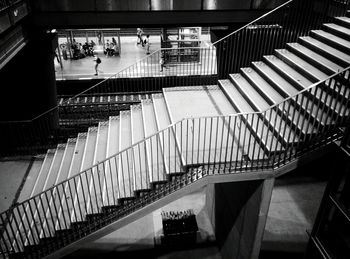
(180, 137)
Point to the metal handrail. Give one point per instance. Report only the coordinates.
(254, 21)
(173, 125)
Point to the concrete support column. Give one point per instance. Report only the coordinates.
(238, 211)
(266, 194)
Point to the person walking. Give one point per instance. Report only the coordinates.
(97, 62)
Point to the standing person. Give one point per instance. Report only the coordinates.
(147, 43)
(97, 62)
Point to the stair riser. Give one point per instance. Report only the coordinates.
(342, 23)
(331, 43)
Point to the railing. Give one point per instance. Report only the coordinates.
(187, 150)
(284, 23)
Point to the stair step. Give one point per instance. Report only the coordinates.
(332, 40)
(254, 99)
(111, 186)
(257, 126)
(89, 151)
(270, 95)
(325, 50)
(286, 89)
(300, 65)
(40, 182)
(97, 177)
(338, 30)
(66, 160)
(110, 209)
(141, 174)
(288, 136)
(83, 182)
(92, 218)
(299, 81)
(169, 144)
(327, 66)
(199, 101)
(74, 150)
(238, 129)
(154, 150)
(125, 168)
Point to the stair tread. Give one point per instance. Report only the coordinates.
(343, 19)
(89, 151)
(264, 86)
(125, 171)
(276, 121)
(55, 166)
(338, 28)
(325, 47)
(265, 135)
(333, 38)
(298, 79)
(287, 88)
(141, 179)
(66, 160)
(172, 156)
(155, 158)
(242, 105)
(97, 177)
(259, 102)
(316, 57)
(78, 154)
(110, 187)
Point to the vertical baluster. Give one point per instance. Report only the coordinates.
(105, 186)
(205, 137)
(250, 145)
(111, 178)
(227, 141)
(239, 143)
(20, 248)
(10, 244)
(199, 140)
(210, 136)
(233, 143)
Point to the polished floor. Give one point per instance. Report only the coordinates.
(130, 54)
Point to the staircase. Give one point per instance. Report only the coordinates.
(261, 118)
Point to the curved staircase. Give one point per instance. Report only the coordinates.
(261, 118)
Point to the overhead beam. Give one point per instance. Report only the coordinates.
(146, 19)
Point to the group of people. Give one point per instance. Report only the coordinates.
(144, 42)
(111, 48)
(81, 51)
